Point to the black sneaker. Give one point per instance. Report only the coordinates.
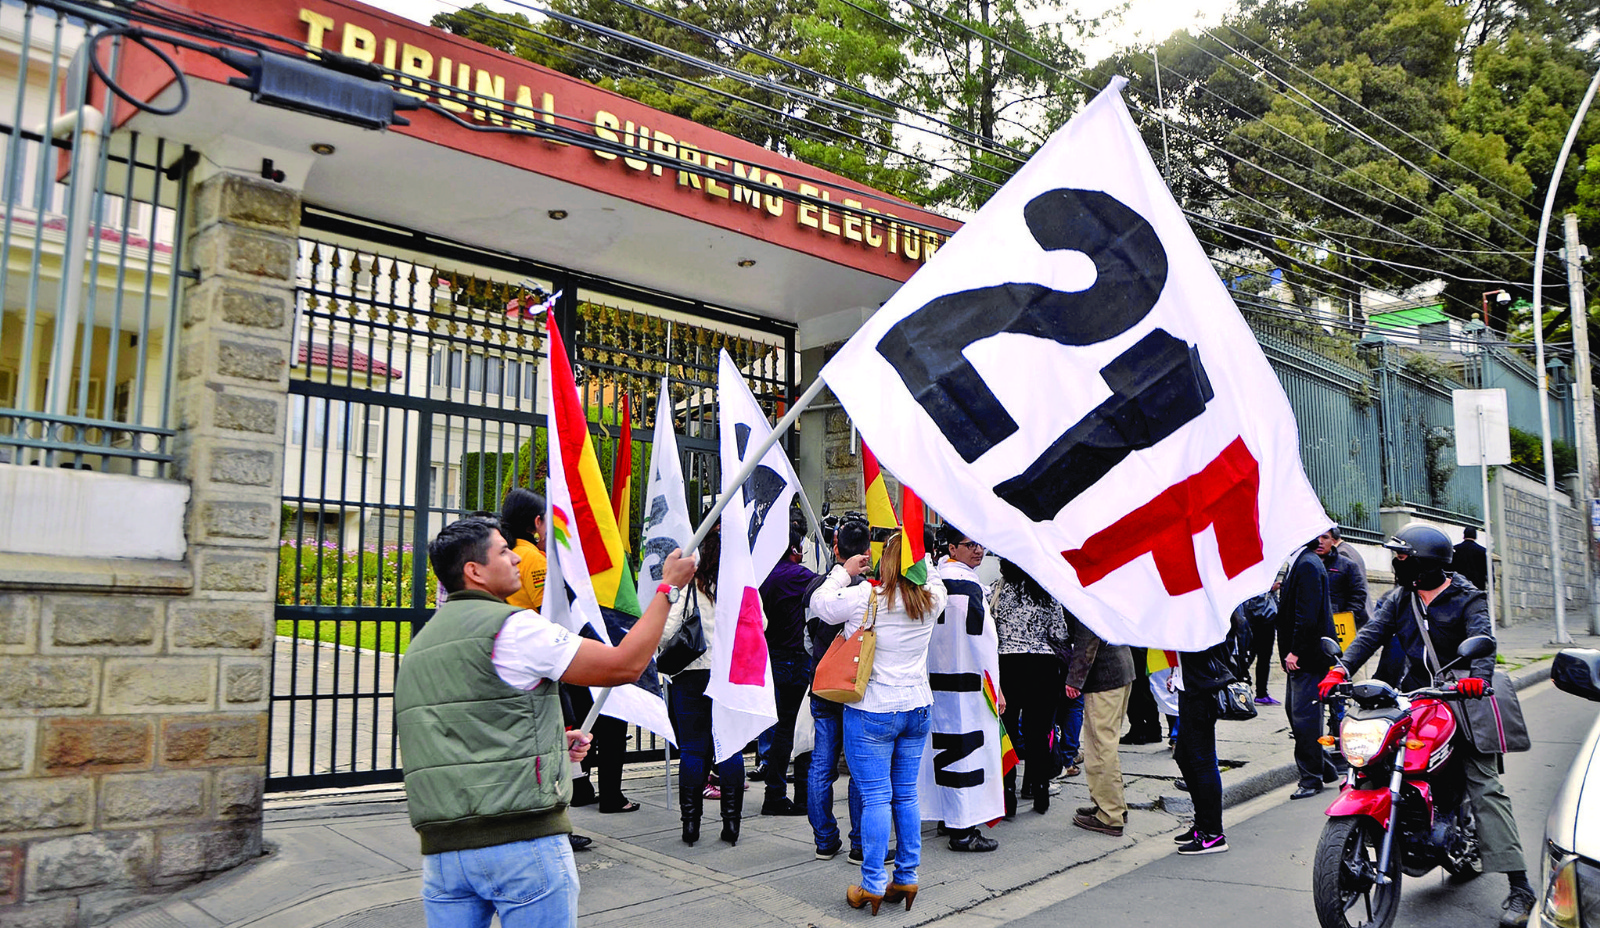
(971, 841)
(781, 806)
(827, 853)
(857, 856)
(1205, 844)
(1518, 907)
(1186, 836)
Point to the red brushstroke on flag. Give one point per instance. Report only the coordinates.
(749, 664)
(1224, 495)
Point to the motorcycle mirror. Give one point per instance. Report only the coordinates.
(1475, 647)
(1331, 648)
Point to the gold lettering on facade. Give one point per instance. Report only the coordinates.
(742, 193)
(806, 211)
(828, 225)
(418, 63)
(359, 43)
(606, 126)
(316, 26)
(714, 187)
(852, 219)
(490, 87)
(774, 202)
(874, 240)
(689, 154)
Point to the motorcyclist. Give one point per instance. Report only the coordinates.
(1453, 610)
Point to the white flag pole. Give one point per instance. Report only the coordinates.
(752, 461)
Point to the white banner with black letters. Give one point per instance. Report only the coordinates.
(1070, 383)
(961, 781)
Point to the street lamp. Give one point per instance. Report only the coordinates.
(1500, 297)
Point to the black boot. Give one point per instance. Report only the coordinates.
(690, 804)
(732, 811)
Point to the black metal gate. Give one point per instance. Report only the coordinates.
(414, 401)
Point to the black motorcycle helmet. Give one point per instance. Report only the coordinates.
(1428, 552)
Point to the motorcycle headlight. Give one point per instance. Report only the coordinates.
(1362, 739)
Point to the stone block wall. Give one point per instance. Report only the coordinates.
(133, 717)
(1523, 543)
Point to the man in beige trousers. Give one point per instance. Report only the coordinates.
(1104, 674)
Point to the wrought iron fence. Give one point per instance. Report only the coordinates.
(92, 242)
(414, 400)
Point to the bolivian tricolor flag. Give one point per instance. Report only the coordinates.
(593, 518)
(622, 478)
(913, 554)
(587, 586)
(1008, 753)
(880, 512)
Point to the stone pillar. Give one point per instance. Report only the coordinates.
(133, 694)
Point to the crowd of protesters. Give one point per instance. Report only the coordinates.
(1062, 693)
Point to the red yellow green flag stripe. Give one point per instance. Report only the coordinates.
(913, 560)
(592, 516)
(880, 511)
(1008, 753)
(622, 477)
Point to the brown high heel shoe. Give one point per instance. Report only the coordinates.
(898, 891)
(858, 897)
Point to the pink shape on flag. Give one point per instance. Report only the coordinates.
(749, 664)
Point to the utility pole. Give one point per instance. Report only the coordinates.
(1583, 418)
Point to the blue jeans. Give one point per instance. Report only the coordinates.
(1069, 717)
(529, 884)
(827, 720)
(885, 752)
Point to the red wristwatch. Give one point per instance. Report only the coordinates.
(670, 592)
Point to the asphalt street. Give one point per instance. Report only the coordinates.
(1265, 878)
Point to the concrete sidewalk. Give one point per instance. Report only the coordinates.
(350, 859)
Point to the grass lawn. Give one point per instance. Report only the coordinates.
(369, 636)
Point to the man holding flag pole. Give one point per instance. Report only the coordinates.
(478, 715)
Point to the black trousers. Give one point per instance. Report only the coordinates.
(1305, 720)
(1144, 716)
(1261, 635)
(791, 674)
(605, 751)
(1197, 757)
(1032, 684)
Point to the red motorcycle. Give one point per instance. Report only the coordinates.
(1403, 807)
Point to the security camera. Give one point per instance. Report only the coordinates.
(1503, 298)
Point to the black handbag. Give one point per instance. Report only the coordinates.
(1236, 702)
(688, 643)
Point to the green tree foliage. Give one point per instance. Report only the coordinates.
(1371, 142)
(805, 109)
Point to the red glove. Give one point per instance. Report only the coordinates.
(1470, 686)
(1335, 677)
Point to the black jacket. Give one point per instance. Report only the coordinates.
(1472, 562)
(1214, 667)
(1347, 583)
(1457, 613)
(1305, 616)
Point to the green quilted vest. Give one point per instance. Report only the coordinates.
(485, 762)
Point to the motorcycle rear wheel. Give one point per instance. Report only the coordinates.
(1342, 885)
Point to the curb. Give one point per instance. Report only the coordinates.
(1264, 781)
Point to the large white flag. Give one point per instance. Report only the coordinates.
(1069, 382)
(961, 781)
(742, 696)
(569, 594)
(666, 513)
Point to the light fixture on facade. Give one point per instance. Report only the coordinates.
(747, 262)
(558, 214)
(322, 148)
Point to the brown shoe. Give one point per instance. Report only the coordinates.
(1090, 823)
(1088, 810)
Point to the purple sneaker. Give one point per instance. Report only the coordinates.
(1267, 701)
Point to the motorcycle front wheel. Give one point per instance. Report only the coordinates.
(1344, 884)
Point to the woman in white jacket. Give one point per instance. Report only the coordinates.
(691, 709)
(885, 732)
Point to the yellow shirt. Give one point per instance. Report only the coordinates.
(531, 596)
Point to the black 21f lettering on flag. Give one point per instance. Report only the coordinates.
(1157, 385)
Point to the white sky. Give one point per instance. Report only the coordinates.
(1145, 20)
